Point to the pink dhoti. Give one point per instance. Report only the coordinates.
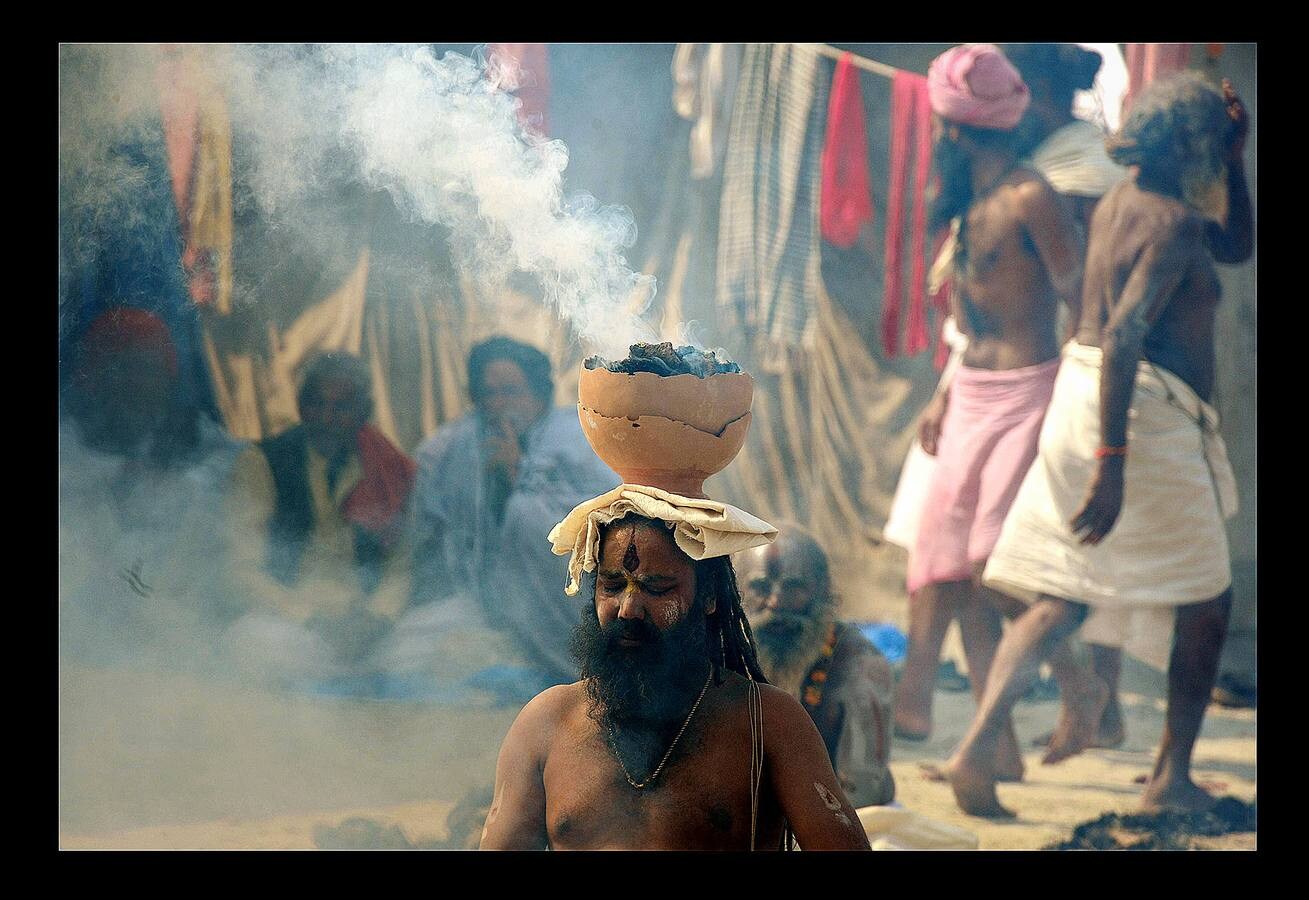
(988, 442)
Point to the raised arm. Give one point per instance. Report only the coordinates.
(1153, 280)
(801, 776)
(1232, 242)
(516, 820)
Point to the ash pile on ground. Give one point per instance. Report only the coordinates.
(1161, 831)
(665, 359)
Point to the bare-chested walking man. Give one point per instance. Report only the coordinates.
(1123, 511)
(1019, 255)
(671, 740)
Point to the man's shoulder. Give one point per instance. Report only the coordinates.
(1147, 210)
(553, 704)
(1031, 189)
(781, 708)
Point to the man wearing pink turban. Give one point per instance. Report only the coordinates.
(1019, 252)
(976, 85)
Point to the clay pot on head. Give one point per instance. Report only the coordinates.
(670, 432)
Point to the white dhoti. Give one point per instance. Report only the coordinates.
(1168, 547)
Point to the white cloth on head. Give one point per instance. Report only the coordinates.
(702, 529)
(1169, 545)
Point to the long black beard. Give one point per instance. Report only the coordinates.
(955, 192)
(645, 687)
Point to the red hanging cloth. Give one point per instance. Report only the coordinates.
(916, 338)
(902, 91)
(846, 203)
(377, 501)
(911, 118)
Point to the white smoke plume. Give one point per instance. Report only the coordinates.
(438, 134)
(445, 143)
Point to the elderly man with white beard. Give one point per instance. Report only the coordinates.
(835, 672)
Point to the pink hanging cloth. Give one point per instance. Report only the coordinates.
(846, 203)
(532, 88)
(1148, 62)
(911, 124)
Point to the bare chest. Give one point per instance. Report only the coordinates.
(700, 800)
(995, 242)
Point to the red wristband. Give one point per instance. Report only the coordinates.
(1110, 451)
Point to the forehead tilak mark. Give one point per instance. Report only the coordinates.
(631, 560)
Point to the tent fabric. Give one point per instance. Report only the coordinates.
(768, 259)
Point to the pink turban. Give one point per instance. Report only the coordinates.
(975, 85)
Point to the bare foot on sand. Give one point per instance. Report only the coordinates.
(1177, 794)
(1206, 784)
(1008, 762)
(1079, 721)
(935, 773)
(974, 790)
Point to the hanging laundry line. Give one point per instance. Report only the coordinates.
(862, 62)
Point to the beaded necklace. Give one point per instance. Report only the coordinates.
(812, 693)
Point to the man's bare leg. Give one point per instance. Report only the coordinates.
(1033, 637)
(980, 630)
(1083, 699)
(1108, 663)
(1197, 645)
(930, 611)
(1070, 673)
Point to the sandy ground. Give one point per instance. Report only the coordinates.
(154, 761)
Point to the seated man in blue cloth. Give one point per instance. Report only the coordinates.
(490, 486)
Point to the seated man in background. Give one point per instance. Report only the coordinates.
(835, 672)
(141, 477)
(490, 486)
(319, 514)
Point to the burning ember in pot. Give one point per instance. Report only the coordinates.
(664, 417)
(663, 359)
